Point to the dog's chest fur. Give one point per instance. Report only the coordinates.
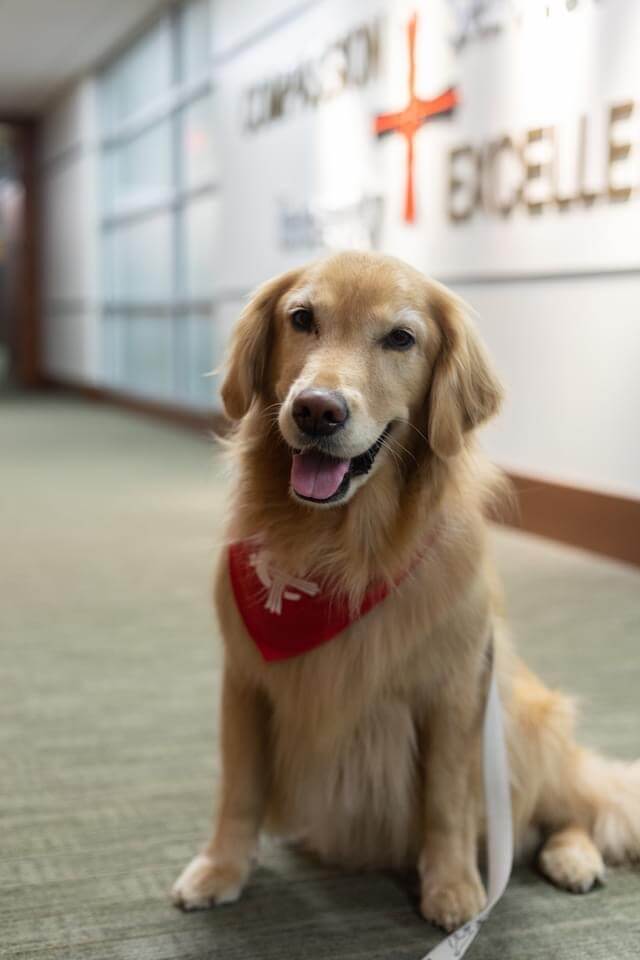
(346, 721)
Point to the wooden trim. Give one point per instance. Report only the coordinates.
(600, 522)
(24, 296)
(200, 421)
(16, 119)
(29, 359)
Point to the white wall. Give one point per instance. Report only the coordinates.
(568, 352)
(236, 24)
(567, 346)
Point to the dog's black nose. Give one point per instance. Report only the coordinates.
(320, 412)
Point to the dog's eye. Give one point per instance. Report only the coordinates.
(302, 319)
(399, 339)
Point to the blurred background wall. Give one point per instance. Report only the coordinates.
(188, 151)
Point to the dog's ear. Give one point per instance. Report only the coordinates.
(464, 390)
(248, 354)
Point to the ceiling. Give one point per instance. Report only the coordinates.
(44, 43)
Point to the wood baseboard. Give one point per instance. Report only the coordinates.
(200, 421)
(599, 522)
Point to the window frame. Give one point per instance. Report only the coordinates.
(182, 310)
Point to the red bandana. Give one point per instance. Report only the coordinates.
(286, 616)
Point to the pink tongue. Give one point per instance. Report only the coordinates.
(317, 476)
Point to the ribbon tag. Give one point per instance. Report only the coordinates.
(497, 793)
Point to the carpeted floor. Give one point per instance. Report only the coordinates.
(108, 528)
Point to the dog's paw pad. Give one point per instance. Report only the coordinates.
(205, 882)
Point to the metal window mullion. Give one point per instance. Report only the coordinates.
(151, 308)
(179, 373)
(175, 200)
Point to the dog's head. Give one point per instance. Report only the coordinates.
(353, 352)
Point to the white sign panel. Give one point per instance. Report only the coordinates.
(472, 139)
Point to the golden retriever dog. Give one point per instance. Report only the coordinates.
(358, 385)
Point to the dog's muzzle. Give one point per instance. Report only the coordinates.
(321, 478)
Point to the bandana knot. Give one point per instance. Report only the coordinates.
(277, 582)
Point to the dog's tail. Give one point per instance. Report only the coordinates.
(610, 791)
(558, 783)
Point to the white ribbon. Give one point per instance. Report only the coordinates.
(499, 826)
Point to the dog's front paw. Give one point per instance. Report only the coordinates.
(449, 902)
(206, 882)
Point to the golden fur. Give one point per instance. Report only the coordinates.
(367, 748)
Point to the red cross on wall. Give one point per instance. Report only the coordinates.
(408, 121)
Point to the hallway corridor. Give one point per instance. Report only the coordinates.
(108, 527)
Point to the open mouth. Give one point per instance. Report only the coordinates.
(321, 478)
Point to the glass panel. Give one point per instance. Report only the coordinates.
(138, 260)
(145, 349)
(148, 345)
(196, 142)
(112, 350)
(139, 77)
(193, 39)
(197, 248)
(139, 171)
(196, 332)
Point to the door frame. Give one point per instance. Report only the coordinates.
(25, 326)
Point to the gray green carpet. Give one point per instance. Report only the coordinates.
(108, 528)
